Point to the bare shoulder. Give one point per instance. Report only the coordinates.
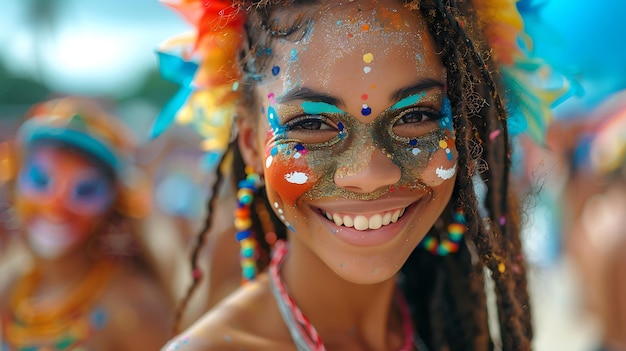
(248, 319)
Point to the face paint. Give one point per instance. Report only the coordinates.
(61, 198)
(285, 161)
(354, 136)
(83, 193)
(338, 145)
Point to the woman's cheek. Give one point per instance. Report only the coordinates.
(288, 176)
(442, 166)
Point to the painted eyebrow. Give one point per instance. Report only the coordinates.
(419, 87)
(307, 94)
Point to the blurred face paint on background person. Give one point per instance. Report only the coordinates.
(62, 197)
(359, 147)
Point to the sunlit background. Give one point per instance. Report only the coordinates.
(89, 47)
(106, 49)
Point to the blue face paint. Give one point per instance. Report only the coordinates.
(408, 101)
(318, 108)
(272, 118)
(446, 114)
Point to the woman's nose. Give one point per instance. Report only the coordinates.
(55, 207)
(376, 172)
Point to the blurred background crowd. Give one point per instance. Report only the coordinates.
(105, 50)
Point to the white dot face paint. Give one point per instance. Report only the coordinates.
(296, 178)
(446, 174)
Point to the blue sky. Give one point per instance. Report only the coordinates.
(97, 47)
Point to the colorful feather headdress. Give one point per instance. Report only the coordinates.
(204, 64)
(530, 81)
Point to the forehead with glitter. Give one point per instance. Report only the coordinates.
(356, 32)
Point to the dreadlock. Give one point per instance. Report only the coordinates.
(446, 294)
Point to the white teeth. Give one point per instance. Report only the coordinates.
(361, 222)
(395, 216)
(376, 221)
(338, 220)
(348, 221)
(387, 218)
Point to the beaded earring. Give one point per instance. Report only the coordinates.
(243, 224)
(451, 243)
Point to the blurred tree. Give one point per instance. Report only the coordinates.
(43, 17)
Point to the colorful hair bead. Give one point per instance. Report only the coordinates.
(243, 224)
(452, 242)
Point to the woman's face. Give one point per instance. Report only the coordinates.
(359, 157)
(61, 198)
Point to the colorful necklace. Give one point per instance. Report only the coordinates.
(61, 325)
(302, 332)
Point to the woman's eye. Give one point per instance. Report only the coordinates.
(416, 122)
(311, 129)
(90, 189)
(38, 178)
(86, 190)
(309, 123)
(417, 116)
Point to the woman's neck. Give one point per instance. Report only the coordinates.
(60, 274)
(341, 311)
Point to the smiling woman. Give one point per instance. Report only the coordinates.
(363, 127)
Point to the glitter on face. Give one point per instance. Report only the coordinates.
(275, 70)
(367, 69)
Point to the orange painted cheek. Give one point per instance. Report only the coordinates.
(290, 178)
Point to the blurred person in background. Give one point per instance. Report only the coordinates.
(594, 213)
(183, 181)
(75, 192)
